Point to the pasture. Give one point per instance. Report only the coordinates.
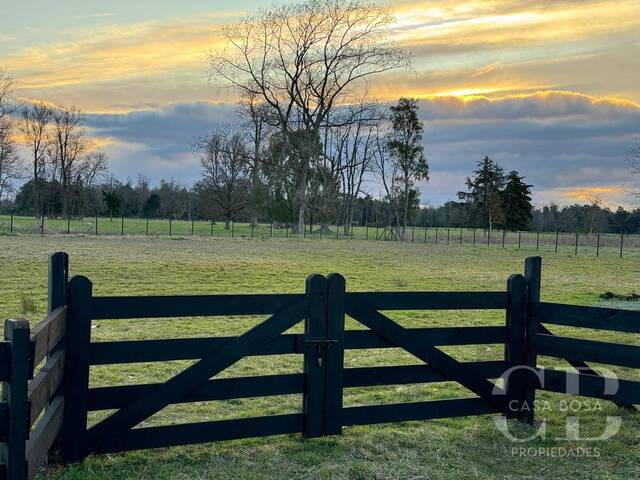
(451, 448)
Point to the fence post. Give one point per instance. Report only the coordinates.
(621, 243)
(271, 231)
(58, 280)
(515, 346)
(598, 246)
(233, 228)
(76, 375)
(537, 241)
(170, 219)
(413, 231)
(557, 235)
(146, 231)
(576, 249)
(314, 345)
(335, 354)
(15, 393)
(11, 224)
(96, 224)
(448, 235)
(212, 227)
(252, 227)
(474, 237)
(366, 232)
(42, 225)
(68, 223)
(122, 225)
(533, 276)
(192, 225)
(504, 236)
(460, 235)
(436, 235)
(519, 238)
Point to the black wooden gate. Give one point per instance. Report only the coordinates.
(63, 342)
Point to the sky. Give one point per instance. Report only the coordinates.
(548, 88)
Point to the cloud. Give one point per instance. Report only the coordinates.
(568, 145)
(562, 142)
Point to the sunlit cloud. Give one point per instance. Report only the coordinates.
(548, 88)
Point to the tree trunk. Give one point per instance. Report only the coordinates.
(227, 222)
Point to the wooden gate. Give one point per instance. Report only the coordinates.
(62, 342)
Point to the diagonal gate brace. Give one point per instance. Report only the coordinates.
(445, 364)
(110, 429)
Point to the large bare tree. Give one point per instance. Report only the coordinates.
(304, 60)
(36, 120)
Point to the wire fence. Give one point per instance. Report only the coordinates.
(596, 244)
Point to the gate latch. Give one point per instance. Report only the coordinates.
(318, 342)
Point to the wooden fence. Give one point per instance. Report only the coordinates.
(61, 388)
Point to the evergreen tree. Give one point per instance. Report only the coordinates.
(516, 202)
(483, 198)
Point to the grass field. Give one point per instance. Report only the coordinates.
(606, 245)
(443, 449)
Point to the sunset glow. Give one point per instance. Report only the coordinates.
(532, 84)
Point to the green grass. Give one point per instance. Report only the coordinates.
(609, 244)
(442, 449)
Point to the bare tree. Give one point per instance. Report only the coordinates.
(304, 60)
(34, 128)
(257, 131)
(225, 172)
(11, 166)
(352, 151)
(69, 145)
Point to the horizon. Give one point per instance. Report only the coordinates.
(540, 89)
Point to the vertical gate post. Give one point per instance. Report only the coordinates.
(335, 354)
(76, 375)
(515, 347)
(314, 345)
(58, 279)
(532, 275)
(15, 392)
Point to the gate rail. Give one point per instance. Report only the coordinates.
(50, 409)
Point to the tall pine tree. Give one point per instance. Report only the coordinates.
(516, 202)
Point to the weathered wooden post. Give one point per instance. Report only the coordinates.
(598, 246)
(515, 355)
(58, 280)
(314, 343)
(576, 247)
(621, 243)
(533, 277)
(15, 393)
(76, 375)
(335, 353)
